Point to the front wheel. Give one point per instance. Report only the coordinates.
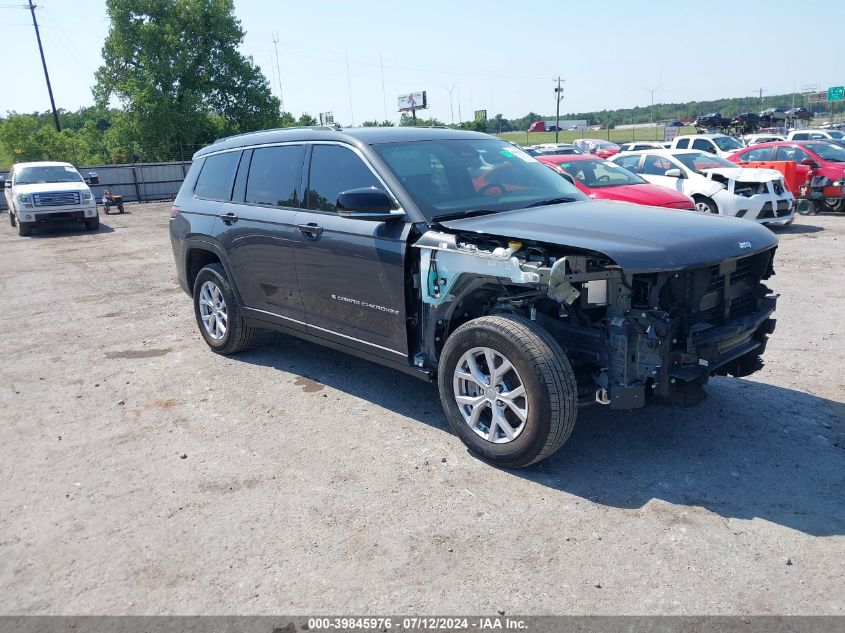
(24, 228)
(508, 390)
(805, 207)
(705, 205)
(219, 317)
(92, 225)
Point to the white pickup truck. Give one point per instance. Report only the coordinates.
(48, 192)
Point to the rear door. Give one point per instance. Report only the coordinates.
(257, 232)
(351, 272)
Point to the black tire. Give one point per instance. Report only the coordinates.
(93, 225)
(24, 229)
(550, 387)
(704, 201)
(238, 336)
(805, 207)
(834, 204)
(12, 219)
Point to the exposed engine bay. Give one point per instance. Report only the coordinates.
(630, 336)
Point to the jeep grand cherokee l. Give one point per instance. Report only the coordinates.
(456, 257)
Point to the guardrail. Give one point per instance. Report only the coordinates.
(141, 182)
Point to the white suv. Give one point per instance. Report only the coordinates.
(48, 192)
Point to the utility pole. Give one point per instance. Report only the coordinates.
(761, 91)
(44, 64)
(558, 99)
(278, 71)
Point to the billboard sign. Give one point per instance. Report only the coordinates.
(326, 118)
(481, 115)
(413, 101)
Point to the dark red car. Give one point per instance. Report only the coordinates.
(830, 157)
(603, 180)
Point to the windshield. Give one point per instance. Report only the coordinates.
(52, 173)
(836, 134)
(456, 177)
(726, 143)
(702, 160)
(599, 173)
(827, 151)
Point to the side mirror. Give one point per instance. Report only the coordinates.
(673, 173)
(809, 162)
(366, 203)
(7, 184)
(93, 178)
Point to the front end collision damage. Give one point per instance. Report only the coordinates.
(629, 336)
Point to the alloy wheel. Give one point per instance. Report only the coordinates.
(490, 395)
(213, 311)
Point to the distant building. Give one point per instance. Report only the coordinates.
(552, 125)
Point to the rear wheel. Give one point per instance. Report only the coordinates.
(833, 204)
(705, 205)
(218, 314)
(508, 390)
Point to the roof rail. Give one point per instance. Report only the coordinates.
(333, 128)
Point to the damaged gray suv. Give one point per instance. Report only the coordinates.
(456, 257)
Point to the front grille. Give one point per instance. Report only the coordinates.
(783, 207)
(56, 199)
(766, 212)
(778, 186)
(715, 294)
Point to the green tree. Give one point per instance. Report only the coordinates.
(175, 67)
(306, 119)
(375, 123)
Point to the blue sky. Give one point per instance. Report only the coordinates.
(501, 56)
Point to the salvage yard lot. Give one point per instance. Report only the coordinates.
(144, 474)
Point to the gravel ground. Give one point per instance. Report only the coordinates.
(143, 474)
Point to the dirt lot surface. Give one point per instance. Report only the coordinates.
(142, 474)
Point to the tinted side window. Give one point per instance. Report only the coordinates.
(801, 136)
(703, 145)
(274, 176)
(335, 169)
(683, 143)
(761, 153)
(217, 175)
(656, 165)
(631, 163)
(792, 154)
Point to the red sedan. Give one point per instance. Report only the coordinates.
(829, 157)
(603, 180)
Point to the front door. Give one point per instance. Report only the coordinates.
(351, 272)
(256, 230)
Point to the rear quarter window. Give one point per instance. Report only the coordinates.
(217, 175)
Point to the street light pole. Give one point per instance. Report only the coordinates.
(652, 91)
(558, 99)
(451, 104)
